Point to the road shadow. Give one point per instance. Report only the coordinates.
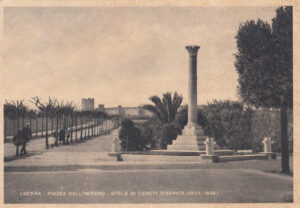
(29, 154)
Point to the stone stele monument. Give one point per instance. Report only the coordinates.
(192, 138)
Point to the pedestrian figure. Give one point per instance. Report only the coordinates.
(56, 139)
(68, 136)
(17, 140)
(26, 136)
(62, 136)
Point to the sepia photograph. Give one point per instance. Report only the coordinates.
(148, 105)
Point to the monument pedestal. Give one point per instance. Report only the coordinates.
(192, 139)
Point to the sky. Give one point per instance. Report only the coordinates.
(121, 56)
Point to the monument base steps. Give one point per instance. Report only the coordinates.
(192, 138)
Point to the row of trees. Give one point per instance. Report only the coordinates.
(64, 114)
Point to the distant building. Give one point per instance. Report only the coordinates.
(128, 112)
(88, 104)
(112, 111)
(100, 108)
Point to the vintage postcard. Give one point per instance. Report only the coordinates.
(126, 103)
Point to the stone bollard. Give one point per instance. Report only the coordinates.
(267, 144)
(270, 142)
(116, 148)
(209, 146)
(212, 146)
(268, 147)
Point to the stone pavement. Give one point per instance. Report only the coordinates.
(85, 167)
(37, 146)
(84, 152)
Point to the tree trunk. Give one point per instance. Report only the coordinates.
(42, 127)
(97, 127)
(81, 129)
(284, 140)
(14, 130)
(92, 127)
(5, 124)
(71, 134)
(30, 123)
(36, 126)
(85, 128)
(76, 127)
(89, 127)
(18, 122)
(52, 125)
(56, 136)
(47, 143)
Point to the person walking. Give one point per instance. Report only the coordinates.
(17, 140)
(55, 135)
(67, 136)
(62, 135)
(26, 135)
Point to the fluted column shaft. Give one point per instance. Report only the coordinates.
(192, 85)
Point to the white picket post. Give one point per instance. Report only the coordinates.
(208, 146)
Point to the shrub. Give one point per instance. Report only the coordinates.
(266, 123)
(169, 133)
(131, 138)
(230, 124)
(181, 120)
(147, 134)
(226, 121)
(158, 136)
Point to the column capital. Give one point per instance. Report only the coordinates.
(193, 49)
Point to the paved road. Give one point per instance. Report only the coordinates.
(149, 186)
(83, 173)
(37, 146)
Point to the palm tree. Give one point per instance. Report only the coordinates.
(39, 116)
(71, 115)
(52, 116)
(87, 125)
(47, 109)
(83, 119)
(81, 123)
(17, 109)
(23, 114)
(76, 113)
(32, 115)
(66, 111)
(6, 114)
(9, 112)
(165, 109)
(88, 113)
(59, 108)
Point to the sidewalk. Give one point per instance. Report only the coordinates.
(37, 147)
(93, 154)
